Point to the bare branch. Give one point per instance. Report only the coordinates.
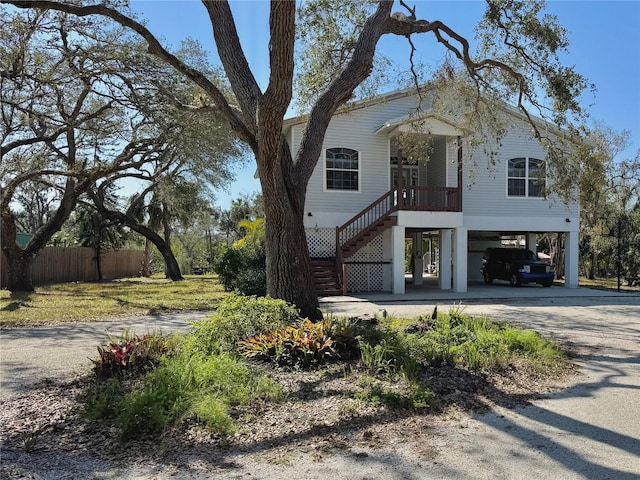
(234, 61)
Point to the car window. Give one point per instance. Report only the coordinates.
(525, 255)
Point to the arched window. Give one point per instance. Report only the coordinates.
(525, 177)
(342, 169)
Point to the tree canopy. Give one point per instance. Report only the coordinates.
(609, 193)
(83, 107)
(518, 62)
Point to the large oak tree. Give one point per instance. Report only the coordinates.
(519, 63)
(85, 107)
(68, 119)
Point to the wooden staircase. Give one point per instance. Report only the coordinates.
(369, 233)
(372, 221)
(350, 238)
(325, 276)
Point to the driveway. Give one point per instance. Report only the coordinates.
(30, 357)
(590, 430)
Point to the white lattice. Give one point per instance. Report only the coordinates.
(361, 277)
(322, 242)
(367, 277)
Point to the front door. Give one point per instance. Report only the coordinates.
(409, 176)
(409, 180)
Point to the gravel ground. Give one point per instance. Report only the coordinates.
(588, 429)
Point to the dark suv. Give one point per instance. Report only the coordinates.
(516, 265)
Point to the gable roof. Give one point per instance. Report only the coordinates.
(438, 121)
(385, 97)
(431, 123)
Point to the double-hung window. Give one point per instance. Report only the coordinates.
(342, 169)
(525, 177)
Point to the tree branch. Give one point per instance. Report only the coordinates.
(155, 48)
(243, 83)
(282, 23)
(341, 89)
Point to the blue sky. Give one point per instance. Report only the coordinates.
(605, 48)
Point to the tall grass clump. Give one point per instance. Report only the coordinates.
(478, 343)
(201, 387)
(186, 386)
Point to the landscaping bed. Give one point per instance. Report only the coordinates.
(403, 399)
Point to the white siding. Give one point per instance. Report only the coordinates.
(437, 165)
(452, 162)
(354, 130)
(485, 184)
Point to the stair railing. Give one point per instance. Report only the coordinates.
(441, 199)
(374, 212)
(350, 230)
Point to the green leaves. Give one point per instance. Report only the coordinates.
(327, 35)
(301, 345)
(239, 317)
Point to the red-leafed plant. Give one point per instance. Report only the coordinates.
(304, 344)
(131, 353)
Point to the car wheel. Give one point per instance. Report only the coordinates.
(487, 279)
(514, 280)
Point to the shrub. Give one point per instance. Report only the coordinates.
(130, 353)
(305, 343)
(243, 269)
(239, 317)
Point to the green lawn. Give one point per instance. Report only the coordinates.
(607, 284)
(69, 302)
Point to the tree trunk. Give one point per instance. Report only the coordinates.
(172, 268)
(558, 255)
(19, 260)
(594, 262)
(145, 271)
(288, 266)
(171, 264)
(19, 270)
(166, 227)
(98, 250)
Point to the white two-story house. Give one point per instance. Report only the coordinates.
(363, 202)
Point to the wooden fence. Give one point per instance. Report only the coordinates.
(63, 264)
